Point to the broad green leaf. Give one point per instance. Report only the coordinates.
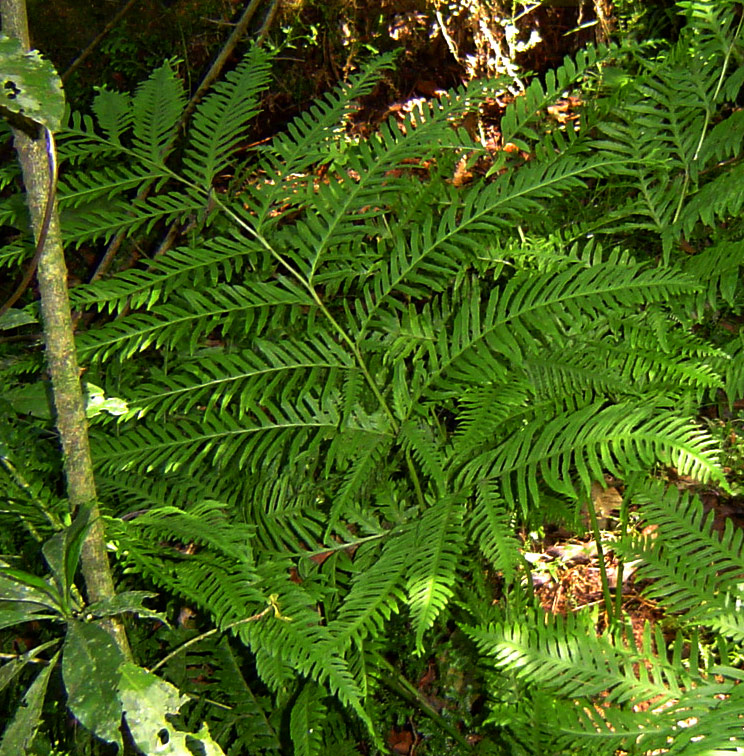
(147, 701)
(31, 399)
(17, 585)
(29, 84)
(62, 552)
(90, 670)
(16, 613)
(126, 601)
(15, 319)
(20, 733)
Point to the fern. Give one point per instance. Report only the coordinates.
(350, 379)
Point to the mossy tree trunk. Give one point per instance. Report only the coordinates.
(59, 339)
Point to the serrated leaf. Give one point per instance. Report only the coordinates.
(90, 671)
(29, 84)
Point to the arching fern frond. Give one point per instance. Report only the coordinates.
(437, 543)
(684, 541)
(224, 117)
(183, 322)
(620, 438)
(156, 109)
(242, 380)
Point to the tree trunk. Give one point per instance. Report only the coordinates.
(60, 346)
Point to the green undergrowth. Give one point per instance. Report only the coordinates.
(352, 382)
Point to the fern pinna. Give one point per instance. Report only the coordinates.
(351, 377)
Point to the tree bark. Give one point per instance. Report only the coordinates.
(59, 339)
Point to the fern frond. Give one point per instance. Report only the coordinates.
(307, 719)
(183, 322)
(246, 724)
(223, 118)
(104, 218)
(240, 380)
(492, 528)
(375, 594)
(217, 578)
(437, 545)
(217, 258)
(686, 542)
(304, 645)
(274, 432)
(536, 308)
(114, 114)
(157, 106)
(522, 113)
(422, 262)
(367, 458)
(620, 438)
(350, 202)
(309, 139)
(421, 443)
(565, 656)
(719, 266)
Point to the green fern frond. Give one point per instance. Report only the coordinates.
(368, 458)
(620, 438)
(350, 202)
(420, 442)
(128, 493)
(223, 118)
(240, 380)
(309, 139)
(721, 198)
(422, 262)
(492, 528)
(522, 113)
(719, 266)
(375, 594)
(714, 717)
(217, 257)
(246, 723)
(157, 106)
(216, 578)
(114, 114)
(307, 719)
(274, 432)
(305, 646)
(106, 183)
(483, 412)
(183, 322)
(685, 542)
(565, 656)
(734, 378)
(105, 218)
(438, 541)
(536, 308)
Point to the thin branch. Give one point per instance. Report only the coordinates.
(92, 46)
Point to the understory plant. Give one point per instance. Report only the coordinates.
(354, 378)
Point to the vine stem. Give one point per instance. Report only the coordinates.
(273, 606)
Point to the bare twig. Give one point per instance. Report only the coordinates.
(92, 46)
